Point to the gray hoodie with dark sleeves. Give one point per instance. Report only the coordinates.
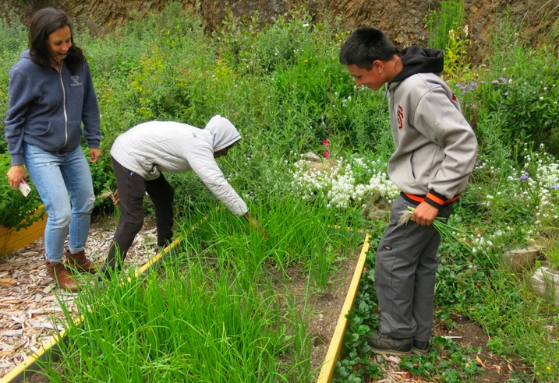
(165, 146)
(435, 146)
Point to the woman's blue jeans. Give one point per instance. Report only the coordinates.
(63, 180)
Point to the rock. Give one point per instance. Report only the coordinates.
(325, 165)
(312, 157)
(521, 259)
(376, 207)
(379, 215)
(545, 281)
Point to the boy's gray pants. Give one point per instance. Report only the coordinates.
(405, 270)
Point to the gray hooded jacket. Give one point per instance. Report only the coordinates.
(165, 146)
(435, 146)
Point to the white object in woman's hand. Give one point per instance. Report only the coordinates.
(15, 175)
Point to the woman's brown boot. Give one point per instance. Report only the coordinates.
(62, 276)
(80, 262)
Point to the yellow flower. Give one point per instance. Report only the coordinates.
(330, 42)
(548, 368)
(305, 60)
(336, 35)
(341, 40)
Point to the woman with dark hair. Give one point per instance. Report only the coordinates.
(50, 95)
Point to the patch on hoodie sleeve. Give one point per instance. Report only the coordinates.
(454, 99)
(400, 117)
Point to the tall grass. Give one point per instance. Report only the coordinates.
(299, 233)
(213, 311)
(181, 323)
(449, 17)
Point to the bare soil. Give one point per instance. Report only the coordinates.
(497, 369)
(326, 305)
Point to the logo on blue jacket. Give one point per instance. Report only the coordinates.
(75, 81)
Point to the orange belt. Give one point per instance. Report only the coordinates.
(431, 197)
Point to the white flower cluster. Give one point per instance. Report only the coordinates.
(338, 181)
(543, 185)
(548, 175)
(479, 242)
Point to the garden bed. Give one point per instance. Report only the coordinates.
(319, 306)
(30, 313)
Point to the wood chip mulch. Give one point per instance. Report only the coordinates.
(30, 313)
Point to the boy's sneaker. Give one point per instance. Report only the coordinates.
(387, 345)
(420, 347)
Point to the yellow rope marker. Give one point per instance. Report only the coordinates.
(327, 370)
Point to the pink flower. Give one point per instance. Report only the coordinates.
(326, 154)
(325, 142)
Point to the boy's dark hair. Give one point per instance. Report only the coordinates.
(364, 46)
(43, 23)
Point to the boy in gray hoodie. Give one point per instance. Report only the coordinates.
(140, 157)
(435, 154)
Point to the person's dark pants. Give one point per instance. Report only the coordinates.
(131, 191)
(405, 271)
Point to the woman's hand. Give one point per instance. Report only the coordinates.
(94, 154)
(15, 175)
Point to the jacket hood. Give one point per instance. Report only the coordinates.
(223, 132)
(25, 55)
(420, 60)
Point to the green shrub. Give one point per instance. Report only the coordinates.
(16, 210)
(529, 103)
(13, 41)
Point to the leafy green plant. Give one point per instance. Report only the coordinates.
(456, 58)
(17, 211)
(13, 41)
(446, 361)
(497, 346)
(215, 310)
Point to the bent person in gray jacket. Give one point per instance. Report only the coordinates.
(143, 153)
